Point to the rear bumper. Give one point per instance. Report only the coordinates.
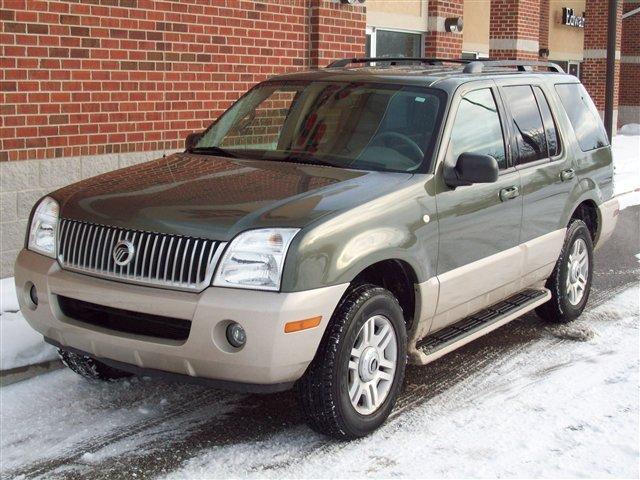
(608, 218)
(271, 360)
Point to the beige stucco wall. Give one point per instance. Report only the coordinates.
(565, 42)
(475, 34)
(397, 14)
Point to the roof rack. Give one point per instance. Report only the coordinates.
(470, 66)
(478, 66)
(343, 62)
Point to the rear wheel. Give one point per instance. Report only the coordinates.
(570, 281)
(352, 384)
(90, 367)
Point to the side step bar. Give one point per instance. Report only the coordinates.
(474, 326)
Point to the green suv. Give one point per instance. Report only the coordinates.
(330, 226)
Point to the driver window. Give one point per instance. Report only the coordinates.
(477, 127)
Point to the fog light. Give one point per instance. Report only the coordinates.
(236, 335)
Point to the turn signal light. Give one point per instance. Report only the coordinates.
(302, 324)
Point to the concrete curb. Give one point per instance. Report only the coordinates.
(19, 374)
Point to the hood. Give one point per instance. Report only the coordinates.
(217, 198)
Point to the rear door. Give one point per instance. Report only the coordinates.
(479, 225)
(546, 171)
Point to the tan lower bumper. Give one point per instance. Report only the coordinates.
(608, 213)
(270, 356)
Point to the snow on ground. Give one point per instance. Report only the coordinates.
(20, 345)
(626, 161)
(565, 406)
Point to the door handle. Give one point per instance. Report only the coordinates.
(567, 175)
(509, 193)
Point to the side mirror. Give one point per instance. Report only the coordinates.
(192, 140)
(472, 168)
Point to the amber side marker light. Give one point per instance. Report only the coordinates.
(302, 324)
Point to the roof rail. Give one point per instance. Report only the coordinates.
(343, 62)
(478, 66)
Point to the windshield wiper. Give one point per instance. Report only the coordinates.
(308, 159)
(213, 150)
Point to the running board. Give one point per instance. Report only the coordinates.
(474, 326)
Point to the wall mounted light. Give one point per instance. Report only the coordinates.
(453, 24)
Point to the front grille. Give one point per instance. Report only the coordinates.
(171, 261)
(125, 321)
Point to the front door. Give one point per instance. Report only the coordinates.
(479, 225)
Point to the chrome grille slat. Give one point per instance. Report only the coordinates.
(163, 260)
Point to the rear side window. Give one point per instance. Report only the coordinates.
(583, 116)
(527, 123)
(553, 142)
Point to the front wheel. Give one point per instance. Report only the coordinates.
(570, 281)
(352, 384)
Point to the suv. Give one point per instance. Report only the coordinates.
(328, 227)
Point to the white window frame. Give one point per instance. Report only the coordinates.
(476, 55)
(577, 64)
(374, 42)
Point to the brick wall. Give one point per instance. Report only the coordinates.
(88, 86)
(111, 76)
(337, 30)
(543, 28)
(514, 29)
(438, 42)
(629, 100)
(594, 67)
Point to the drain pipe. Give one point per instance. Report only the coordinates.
(611, 67)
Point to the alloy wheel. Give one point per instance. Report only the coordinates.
(578, 272)
(372, 365)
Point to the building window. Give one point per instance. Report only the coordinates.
(393, 43)
(571, 67)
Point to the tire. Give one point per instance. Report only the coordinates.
(90, 368)
(324, 389)
(561, 308)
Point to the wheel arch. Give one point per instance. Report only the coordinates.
(397, 276)
(589, 213)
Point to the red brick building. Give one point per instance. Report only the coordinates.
(88, 86)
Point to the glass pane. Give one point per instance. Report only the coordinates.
(583, 116)
(350, 125)
(527, 122)
(398, 44)
(477, 127)
(549, 124)
(261, 126)
(367, 47)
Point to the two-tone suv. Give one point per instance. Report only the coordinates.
(328, 227)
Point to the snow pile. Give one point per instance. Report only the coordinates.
(626, 166)
(20, 345)
(565, 405)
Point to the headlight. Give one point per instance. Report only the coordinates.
(44, 227)
(254, 259)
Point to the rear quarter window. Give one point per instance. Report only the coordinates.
(583, 116)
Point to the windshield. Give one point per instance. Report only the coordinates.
(349, 125)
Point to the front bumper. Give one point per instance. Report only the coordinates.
(270, 357)
(607, 219)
